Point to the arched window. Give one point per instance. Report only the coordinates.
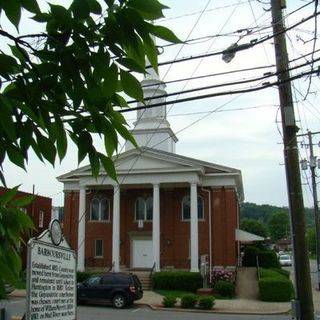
(140, 207)
(186, 208)
(104, 209)
(144, 209)
(100, 209)
(149, 208)
(95, 204)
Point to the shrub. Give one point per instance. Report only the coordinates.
(222, 275)
(177, 280)
(249, 258)
(225, 288)
(268, 259)
(275, 289)
(188, 301)
(270, 273)
(169, 301)
(206, 303)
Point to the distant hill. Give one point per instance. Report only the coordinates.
(262, 212)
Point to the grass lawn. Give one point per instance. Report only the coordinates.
(180, 293)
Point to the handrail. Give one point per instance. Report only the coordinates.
(152, 270)
(258, 267)
(111, 267)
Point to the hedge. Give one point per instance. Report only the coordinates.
(206, 303)
(177, 280)
(188, 301)
(224, 288)
(267, 258)
(275, 289)
(169, 301)
(284, 272)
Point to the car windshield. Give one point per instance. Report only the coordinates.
(285, 257)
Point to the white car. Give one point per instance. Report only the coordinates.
(285, 260)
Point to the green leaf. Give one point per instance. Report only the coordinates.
(131, 65)
(94, 162)
(7, 63)
(8, 196)
(165, 34)
(46, 148)
(131, 86)
(108, 166)
(60, 13)
(94, 6)
(15, 156)
(6, 120)
(22, 201)
(31, 6)
(109, 86)
(13, 10)
(61, 137)
(124, 132)
(151, 51)
(149, 9)
(80, 9)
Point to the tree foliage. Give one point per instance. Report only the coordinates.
(254, 226)
(67, 83)
(279, 225)
(311, 239)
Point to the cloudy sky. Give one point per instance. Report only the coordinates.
(245, 133)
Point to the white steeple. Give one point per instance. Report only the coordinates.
(152, 128)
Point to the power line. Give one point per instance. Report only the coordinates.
(211, 95)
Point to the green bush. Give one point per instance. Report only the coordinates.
(177, 280)
(249, 258)
(224, 288)
(268, 259)
(275, 289)
(188, 301)
(206, 302)
(169, 301)
(270, 273)
(83, 275)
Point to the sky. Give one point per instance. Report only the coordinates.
(246, 131)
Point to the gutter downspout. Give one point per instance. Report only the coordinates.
(210, 234)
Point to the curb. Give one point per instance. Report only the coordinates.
(217, 311)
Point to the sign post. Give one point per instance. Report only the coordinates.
(51, 277)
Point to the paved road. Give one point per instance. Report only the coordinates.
(17, 307)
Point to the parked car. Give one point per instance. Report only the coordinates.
(120, 289)
(285, 260)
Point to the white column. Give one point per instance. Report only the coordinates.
(194, 251)
(156, 226)
(116, 229)
(81, 228)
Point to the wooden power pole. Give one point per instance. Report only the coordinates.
(304, 304)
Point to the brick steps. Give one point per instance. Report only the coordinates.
(143, 275)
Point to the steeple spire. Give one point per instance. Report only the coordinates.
(152, 128)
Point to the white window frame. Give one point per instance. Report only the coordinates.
(99, 199)
(202, 215)
(144, 209)
(41, 219)
(95, 248)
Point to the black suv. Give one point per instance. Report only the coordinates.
(119, 288)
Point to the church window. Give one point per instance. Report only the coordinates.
(100, 209)
(98, 248)
(144, 209)
(186, 208)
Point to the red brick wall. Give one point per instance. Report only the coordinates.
(174, 233)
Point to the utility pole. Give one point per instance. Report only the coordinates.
(303, 305)
(313, 165)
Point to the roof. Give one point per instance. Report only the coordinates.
(148, 160)
(247, 237)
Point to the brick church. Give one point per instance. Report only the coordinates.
(168, 211)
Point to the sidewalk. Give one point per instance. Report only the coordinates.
(244, 306)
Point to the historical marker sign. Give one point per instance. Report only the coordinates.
(51, 277)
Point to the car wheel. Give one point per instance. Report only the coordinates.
(119, 301)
